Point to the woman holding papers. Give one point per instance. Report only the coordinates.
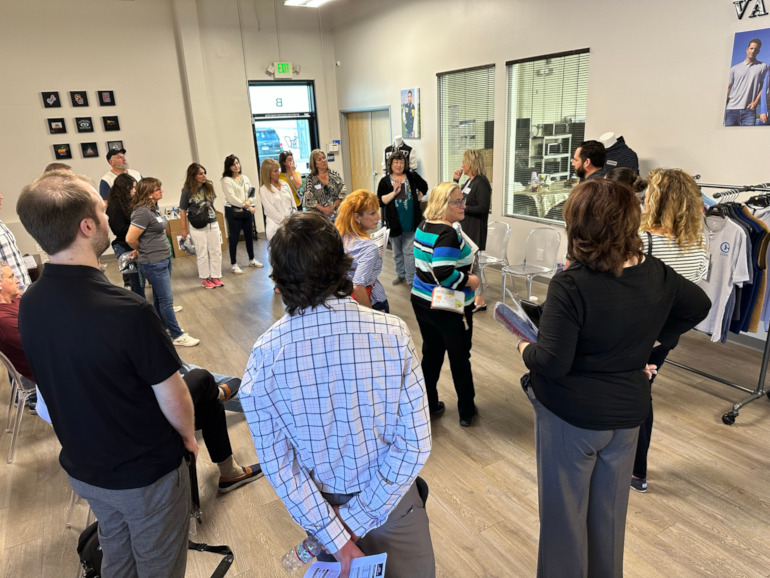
(589, 378)
(357, 216)
(400, 192)
(443, 261)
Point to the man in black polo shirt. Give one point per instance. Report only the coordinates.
(109, 374)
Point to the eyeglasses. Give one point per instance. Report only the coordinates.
(458, 202)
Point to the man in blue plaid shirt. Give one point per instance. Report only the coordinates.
(335, 400)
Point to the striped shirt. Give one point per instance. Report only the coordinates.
(335, 401)
(367, 265)
(691, 264)
(440, 248)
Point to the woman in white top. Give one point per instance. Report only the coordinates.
(277, 200)
(671, 230)
(238, 211)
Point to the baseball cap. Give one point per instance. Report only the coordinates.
(112, 152)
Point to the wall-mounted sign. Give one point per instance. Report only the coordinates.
(282, 70)
(753, 8)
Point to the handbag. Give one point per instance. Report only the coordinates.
(198, 214)
(446, 299)
(240, 213)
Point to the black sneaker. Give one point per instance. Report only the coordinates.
(398, 281)
(438, 411)
(639, 484)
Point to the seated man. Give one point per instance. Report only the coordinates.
(206, 394)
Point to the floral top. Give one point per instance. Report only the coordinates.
(317, 193)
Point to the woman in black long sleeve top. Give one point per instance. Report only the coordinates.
(587, 380)
(119, 203)
(478, 199)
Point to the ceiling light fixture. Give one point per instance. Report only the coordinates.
(306, 3)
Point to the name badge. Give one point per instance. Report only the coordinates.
(467, 190)
(318, 187)
(159, 219)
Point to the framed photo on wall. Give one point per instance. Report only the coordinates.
(89, 150)
(62, 151)
(410, 113)
(115, 145)
(747, 92)
(51, 99)
(106, 98)
(110, 123)
(84, 124)
(78, 98)
(56, 126)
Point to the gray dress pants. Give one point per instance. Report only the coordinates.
(583, 479)
(405, 535)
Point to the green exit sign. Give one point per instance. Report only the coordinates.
(283, 69)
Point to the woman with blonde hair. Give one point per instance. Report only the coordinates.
(324, 189)
(196, 207)
(478, 199)
(358, 215)
(277, 200)
(671, 230)
(444, 259)
(147, 234)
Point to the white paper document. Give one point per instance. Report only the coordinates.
(366, 567)
(381, 237)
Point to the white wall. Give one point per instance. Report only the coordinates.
(658, 74)
(89, 45)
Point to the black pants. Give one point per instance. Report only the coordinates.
(657, 357)
(444, 332)
(209, 414)
(234, 228)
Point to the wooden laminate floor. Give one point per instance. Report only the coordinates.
(707, 512)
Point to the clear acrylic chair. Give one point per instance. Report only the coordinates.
(496, 252)
(540, 256)
(20, 392)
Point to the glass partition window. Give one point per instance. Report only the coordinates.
(546, 120)
(466, 117)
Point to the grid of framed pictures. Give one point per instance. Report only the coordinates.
(82, 124)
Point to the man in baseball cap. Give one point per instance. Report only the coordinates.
(118, 166)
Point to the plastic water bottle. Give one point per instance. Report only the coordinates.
(535, 181)
(301, 554)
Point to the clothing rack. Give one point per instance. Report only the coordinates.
(731, 191)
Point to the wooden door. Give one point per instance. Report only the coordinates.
(368, 135)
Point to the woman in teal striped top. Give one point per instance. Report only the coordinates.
(442, 257)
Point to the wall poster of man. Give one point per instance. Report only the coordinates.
(410, 113)
(747, 84)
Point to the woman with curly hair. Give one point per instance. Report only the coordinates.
(359, 214)
(671, 230)
(196, 207)
(120, 204)
(589, 379)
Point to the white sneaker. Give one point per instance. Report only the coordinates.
(255, 263)
(237, 270)
(186, 340)
(177, 308)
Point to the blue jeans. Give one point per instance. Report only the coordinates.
(740, 117)
(135, 279)
(403, 255)
(159, 274)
